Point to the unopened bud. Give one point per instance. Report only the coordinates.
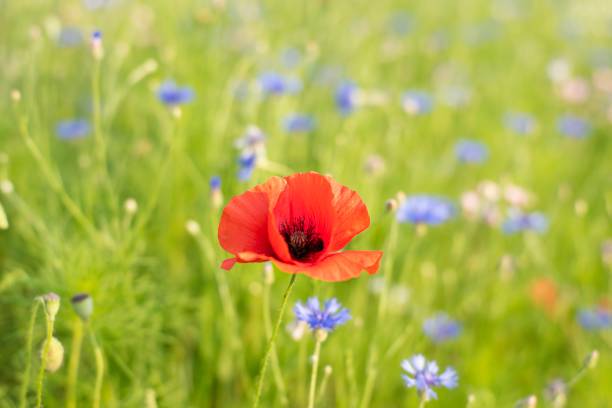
(131, 206)
(83, 305)
(591, 360)
(15, 95)
(529, 402)
(55, 355)
(328, 370)
(52, 304)
(192, 227)
(176, 112)
(6, 186)
(96, 45)
(391, 205)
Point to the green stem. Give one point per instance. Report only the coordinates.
(29, 338)
(264, 363)
(313, 375)
(423, 401)
(323, 387)
(276, 371)
(43, 360)
(73, 363)
(99, 368)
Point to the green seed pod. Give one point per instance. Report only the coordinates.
(83, 305)
(55, 355)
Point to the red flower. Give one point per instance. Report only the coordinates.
(300, 223)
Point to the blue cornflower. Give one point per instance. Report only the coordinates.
(215, 183)
(252, 139)
(425, 209)
(297, 123)
(273, 83)
(441, 327)
(332, 314)
(171, 94)
(520, 123)
(520, 221)
(72, 129)
(573, 126)
(247, 164)
(423, 375)
(70, 37)
(471, 151)
(346, 97)
(417, 102)
(595, 318)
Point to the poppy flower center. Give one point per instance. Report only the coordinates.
(302, 240)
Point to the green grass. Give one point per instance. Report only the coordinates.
(165, 331)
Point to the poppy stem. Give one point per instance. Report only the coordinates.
(29, 338)
(43, 359)
(73, 363)
(264, 363)
(99, 368)
(313, 375)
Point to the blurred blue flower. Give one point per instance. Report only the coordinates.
(332, 314)
(425, 209)
(519, 221)
(70, 37)
(246, 164)
(573, 126)
(441, 327)
(252, 138)
(423, 375)
(72, 129)
(171, 94)
(471, 151)
(215, 183)
(521, 123)
(595, 318)
(297, 123)
(346, 95)
(273, 83)
(417, 102)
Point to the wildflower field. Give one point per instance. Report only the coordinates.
(324, 203)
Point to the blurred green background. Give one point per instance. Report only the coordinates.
(176, 331)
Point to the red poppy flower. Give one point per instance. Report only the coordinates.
(300, 223)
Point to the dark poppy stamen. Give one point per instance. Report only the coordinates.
(302, 240)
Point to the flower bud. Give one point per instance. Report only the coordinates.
(328, 370)
(15, 95)
(591, 360)
(192, 227)
(131, 206)
(55, 355)
(52, 304)
(391, 205)
(83, 305)
(96, 45)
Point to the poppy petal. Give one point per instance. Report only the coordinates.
(229, 263)
(306, 198)
(244, 222)
(337, 267)
(351, 215)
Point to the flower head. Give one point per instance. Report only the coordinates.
(425, 209)
(169, 93)
(471, 151)
(441, 327)
(573, 126)
(520, 123)
(519, 221)
(331, 315)
(595, 318)
(300, 223)
(72, 129)
(83, 305)
(424, 376)
(417, 102)
(346, 97)
(298, 123)
(273, 83)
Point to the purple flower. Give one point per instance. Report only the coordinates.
(72, 129)
(471, 151)
(424, 376)
(171, 94)
(246, 164)
(417, 102)
(332, 314)
(425, 209)
(520, 123)
(346, 95)
(595, 318)
(440, 328)
(297, 123)
(519, 221)
(273, 83)
(573, 126)
(215, 183)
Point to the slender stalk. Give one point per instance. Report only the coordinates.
(43, 360)
(323, 388)
(423, 401)
(276, 371)
(99, 369)
(73, 363)
(264, 363)
(313, 374)
(29, 338)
